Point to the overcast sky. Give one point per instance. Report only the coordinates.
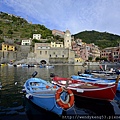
(75, 15)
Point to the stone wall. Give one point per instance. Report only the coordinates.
(21, 53)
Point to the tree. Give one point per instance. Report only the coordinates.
(1, 32)
(90, 58)
(97, 59)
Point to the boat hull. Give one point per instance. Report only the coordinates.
(46, 102)
(42, 93)
(103, 94)
(88, 90)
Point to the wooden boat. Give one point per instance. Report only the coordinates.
(49, 66)
(17, 65)
(42, 66)
(48, 96)
(46, 66)
(88, 89)
(93, 79)
(24, 65)
(10, 65)
(3, 64)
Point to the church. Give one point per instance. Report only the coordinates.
(55, 55)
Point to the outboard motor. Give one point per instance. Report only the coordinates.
(87, 72)
(34, 74)
(79, 73)
(52, 75)
(117, 71)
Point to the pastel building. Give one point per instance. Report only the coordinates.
(57, 32)
(37, 36)
(26, 42)
(111, 53)
(57, 44)
(8, 47)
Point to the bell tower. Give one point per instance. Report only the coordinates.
(67, 39)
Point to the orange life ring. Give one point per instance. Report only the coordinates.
(63, 104)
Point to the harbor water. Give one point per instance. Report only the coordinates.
(14, 106)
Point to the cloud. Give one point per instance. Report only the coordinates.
(75, 15)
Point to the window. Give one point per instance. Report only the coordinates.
(50, 55)
(56, 55)
(40, 52)
(45, 52)
(62, 55)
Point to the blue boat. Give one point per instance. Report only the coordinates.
(42, 66)
(44, 94)
(24, 65)
(91, 78)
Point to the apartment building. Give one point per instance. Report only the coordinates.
(37, 36)
(59, 33)
(57, 44)
(26, 42)
(8, 47)
(111, 53)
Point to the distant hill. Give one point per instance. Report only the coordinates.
(102, 39)
(17, 28)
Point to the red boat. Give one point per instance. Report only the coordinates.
(105, 92)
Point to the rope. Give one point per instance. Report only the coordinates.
(117, 86)
(74, 111)
(114, 94)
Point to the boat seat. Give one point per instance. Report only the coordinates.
(39, 87)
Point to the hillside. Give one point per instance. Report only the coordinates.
(102, 39)
(17, 28)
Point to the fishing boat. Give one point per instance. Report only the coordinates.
(3, 64)
(17, 65)
(91, 90)
(24, 65)
(99, 80)
(49, 66)
(46, 66)
(48, 96)
(10, 64)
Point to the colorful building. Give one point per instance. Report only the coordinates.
(111, 53)
(8, 47)
(57, 32)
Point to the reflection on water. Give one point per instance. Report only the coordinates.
(12, 99)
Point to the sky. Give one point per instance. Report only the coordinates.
(74, 15)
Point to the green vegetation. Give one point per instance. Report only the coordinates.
(17, 28)
(102, 39)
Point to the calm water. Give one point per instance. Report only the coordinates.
(14, 106)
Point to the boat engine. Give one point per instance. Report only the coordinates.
(34, 74)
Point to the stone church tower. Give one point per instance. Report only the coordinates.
(67, 39)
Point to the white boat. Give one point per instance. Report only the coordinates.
(49, 66)
(10, 65)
